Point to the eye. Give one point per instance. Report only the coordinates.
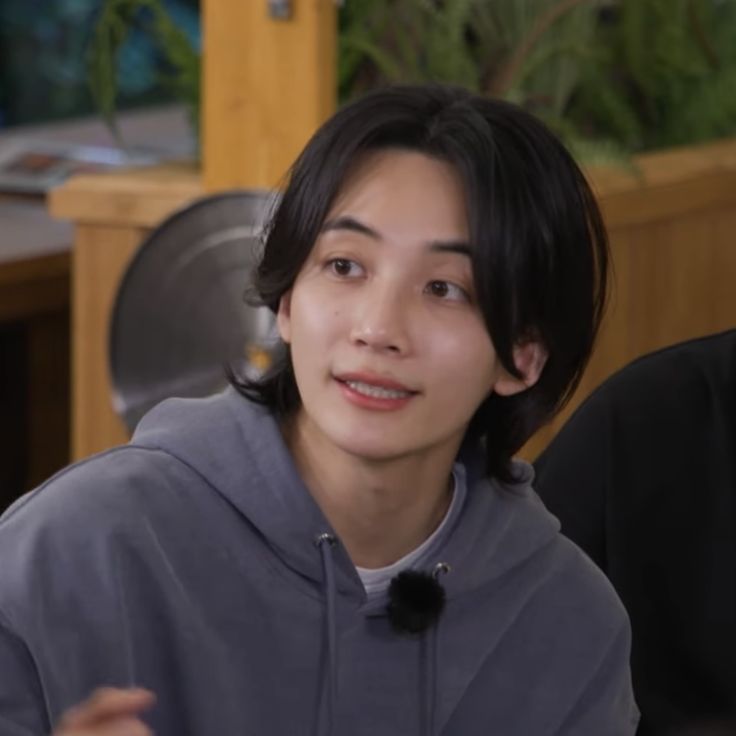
(344, 268)
(447, 290)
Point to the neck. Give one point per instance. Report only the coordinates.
(380, 509)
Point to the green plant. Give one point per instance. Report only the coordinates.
(116, 21)
(528, 51)
(411, 41)
(486, 45)
(612, 77)
(662, 73)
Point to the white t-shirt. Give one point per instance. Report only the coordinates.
(376, 581)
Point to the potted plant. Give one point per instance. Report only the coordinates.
(613, 77)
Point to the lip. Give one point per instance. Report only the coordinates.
(374, 379)
(373, 403)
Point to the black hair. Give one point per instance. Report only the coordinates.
(538, 243)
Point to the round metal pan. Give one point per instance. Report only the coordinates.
(179, 315)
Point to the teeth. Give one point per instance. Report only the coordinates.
(377, 392)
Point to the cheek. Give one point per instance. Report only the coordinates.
(314, 322)
(466, 354)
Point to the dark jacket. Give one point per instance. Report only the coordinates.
(643, 478)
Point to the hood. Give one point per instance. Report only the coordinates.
(531, 638)
(237, 447)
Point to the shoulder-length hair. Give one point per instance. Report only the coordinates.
(538, 243)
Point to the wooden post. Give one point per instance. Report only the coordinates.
(113, 213)
(268, 84)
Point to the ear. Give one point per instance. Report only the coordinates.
(283, 317)
(530, 359)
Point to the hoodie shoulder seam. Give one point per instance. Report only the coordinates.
(173, 456)
(66, 470)
(121, 449)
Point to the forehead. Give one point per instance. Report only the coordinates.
(400, 189)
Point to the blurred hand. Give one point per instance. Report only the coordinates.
(108, 711)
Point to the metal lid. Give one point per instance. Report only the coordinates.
(179, 315)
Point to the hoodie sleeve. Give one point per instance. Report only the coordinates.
(22, 710)
(606, 705)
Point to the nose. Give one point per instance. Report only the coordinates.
(380, 320)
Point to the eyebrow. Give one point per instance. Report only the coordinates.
(350, 224)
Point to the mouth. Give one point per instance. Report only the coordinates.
(377, 392)
(378, 389)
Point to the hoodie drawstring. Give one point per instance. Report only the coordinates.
(430, 666)
(325, 542)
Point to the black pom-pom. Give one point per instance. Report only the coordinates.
(416, 601)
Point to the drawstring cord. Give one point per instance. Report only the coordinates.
(429, 657)
(325, 542)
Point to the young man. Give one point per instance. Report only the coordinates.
(346, 547)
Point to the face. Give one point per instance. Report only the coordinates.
(390, 351)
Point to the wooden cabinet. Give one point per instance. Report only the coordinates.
(34, 344)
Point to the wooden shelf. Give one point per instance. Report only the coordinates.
(133, 198)
(667, 183)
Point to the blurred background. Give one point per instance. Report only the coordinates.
(115, 114)
(49, 120)
(44, 60)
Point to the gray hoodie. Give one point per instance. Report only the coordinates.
(185, 562)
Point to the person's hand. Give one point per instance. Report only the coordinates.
(108, 711)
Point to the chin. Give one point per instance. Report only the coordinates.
(369, 446)
(386, 448)
(377, 451)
